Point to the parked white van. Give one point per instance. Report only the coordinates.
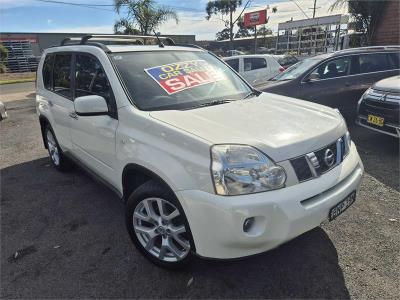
(256, 69)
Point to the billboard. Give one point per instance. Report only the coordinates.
(255, 18)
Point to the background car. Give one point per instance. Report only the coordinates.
(337, 79)
(286, 60)
(379, 107)
(256, 69)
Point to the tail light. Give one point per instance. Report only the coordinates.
(281, 69)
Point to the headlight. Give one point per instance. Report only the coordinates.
(240, 169)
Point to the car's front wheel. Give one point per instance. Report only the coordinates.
(158, 227)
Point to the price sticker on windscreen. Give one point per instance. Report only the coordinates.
(180, 76)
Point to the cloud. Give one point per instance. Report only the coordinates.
(83, 29)
(50, 21)
(195, 23)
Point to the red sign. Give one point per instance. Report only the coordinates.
(255, 18)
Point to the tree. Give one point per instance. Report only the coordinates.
(144, 14)
(366, 14)
(3, 58)
(243, 31)
(222, 35)
(225, 8)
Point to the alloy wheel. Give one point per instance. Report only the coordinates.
(53, 148)
(160, 229)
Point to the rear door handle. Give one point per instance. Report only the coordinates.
(73, 115)
(347, 83)
(50, 103)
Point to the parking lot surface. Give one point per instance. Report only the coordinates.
(63, 235)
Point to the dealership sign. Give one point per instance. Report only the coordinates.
(255, 18)
(180, 76)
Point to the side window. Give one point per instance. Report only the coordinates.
(62, 75)
(374, 62)
(90, 79)
(254, 63)
(47, 71)
(234, 63)
(333, 68)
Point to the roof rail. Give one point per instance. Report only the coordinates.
(139, 39)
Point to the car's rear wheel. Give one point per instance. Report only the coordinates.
(56, 155)
(158, 227)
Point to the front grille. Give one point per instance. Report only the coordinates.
(316, 163)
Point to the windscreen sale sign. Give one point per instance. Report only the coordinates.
(180, 76)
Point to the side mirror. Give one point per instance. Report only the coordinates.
(92, 105)
(313, 77)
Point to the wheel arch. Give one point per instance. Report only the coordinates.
(43, 123)
(135, 175)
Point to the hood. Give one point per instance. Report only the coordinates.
(391, 85)
(279, 126)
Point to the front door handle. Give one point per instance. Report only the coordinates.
(73, 115)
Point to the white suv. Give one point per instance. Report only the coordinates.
(206, 164)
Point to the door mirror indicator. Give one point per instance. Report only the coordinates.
(92, 105)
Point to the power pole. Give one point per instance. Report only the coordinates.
(314, 8)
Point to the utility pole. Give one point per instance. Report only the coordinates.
(314, 8)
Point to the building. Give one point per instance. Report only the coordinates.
(311, 36)
(26, 48)
(388, 29)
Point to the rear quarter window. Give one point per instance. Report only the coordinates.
(47, 71)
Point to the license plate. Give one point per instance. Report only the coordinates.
(342, 206)
(375, 120)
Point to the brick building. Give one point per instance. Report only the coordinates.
(388, 30)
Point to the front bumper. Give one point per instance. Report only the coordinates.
(388, 128)
(217, 221)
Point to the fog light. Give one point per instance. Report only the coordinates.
(247, 224)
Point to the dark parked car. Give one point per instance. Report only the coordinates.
(337, 79)
(378, 108)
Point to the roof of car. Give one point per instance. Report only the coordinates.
(365, 50)
(249, 55)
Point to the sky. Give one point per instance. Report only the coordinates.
(42, 16)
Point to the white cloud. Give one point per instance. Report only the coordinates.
(195, 23)
(84, 29)
(50, 21)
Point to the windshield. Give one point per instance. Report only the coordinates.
(161, 80)
(296, 70)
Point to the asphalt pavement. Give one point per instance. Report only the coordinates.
(63, 236)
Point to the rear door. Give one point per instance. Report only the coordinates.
(93, 137)
(59, 96)
(255, 70)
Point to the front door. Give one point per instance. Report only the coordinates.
(57, 81)
(93, 137)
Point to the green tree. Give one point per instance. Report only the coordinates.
(3, 58)
(366, 14)
(142, 15)
(223, 9)
(243, 31)
(222, 35)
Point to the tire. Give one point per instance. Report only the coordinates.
(57, 157)
(166, 235)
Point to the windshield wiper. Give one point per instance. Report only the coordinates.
(252, 93)
(215, 102)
